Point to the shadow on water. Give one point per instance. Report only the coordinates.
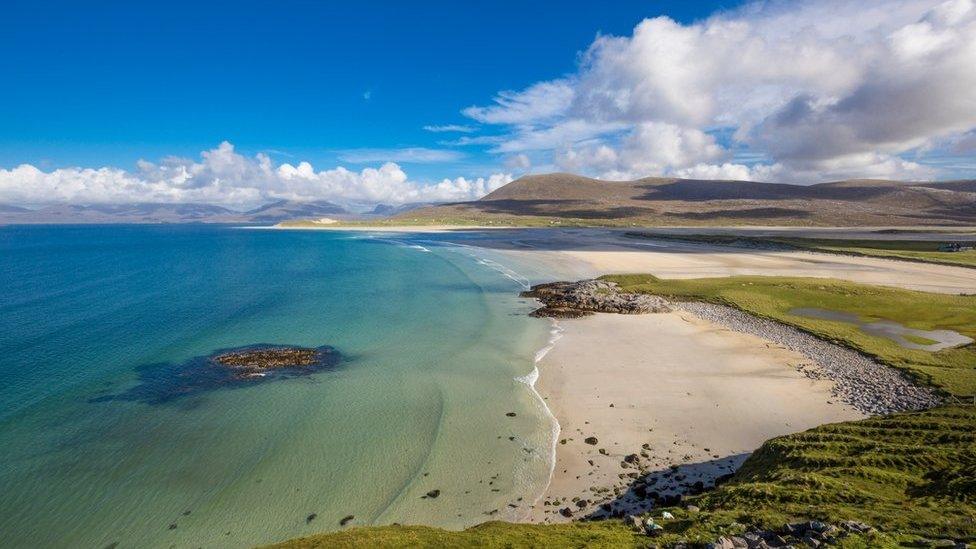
(164, 382)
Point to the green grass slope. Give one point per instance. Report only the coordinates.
(951, 370)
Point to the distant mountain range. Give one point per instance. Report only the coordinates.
(572, 199)
(388, 210)
(183, 213)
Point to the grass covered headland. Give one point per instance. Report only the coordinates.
(909, 475)
(951, 370)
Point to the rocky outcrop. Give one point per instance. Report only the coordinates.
(576, 299)
(226, 369)
(257, 361)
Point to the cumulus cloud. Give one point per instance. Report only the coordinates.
(650, 148)
(223, 176)
(824, 88)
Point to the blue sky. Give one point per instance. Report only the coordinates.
(107, 83)
(242, 103)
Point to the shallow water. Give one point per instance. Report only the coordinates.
(888, 329)
(436, 350)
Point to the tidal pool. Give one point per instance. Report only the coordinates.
(909, 338)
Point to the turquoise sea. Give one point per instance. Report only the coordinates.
(109, 437)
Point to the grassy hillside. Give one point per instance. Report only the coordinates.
(572, 200)
(911, 475)
(952, 370)
(911, 250)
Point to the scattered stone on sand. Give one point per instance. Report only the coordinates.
(591, 441)
(576, 299)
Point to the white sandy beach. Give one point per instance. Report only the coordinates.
(696, 394)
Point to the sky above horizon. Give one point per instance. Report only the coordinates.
(240, 104)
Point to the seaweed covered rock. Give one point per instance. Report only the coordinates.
(576, 299)
(258, 360)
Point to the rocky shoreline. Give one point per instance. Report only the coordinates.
(586, 297)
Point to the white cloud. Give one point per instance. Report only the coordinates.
(407, 155)
(520, 162)
(824, 88)
(458, 128)
(223, 176)
(650, 148)
(536, 103)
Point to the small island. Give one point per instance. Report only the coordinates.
(257, 361)
(237, 367)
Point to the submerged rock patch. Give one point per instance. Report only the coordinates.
(238, 367)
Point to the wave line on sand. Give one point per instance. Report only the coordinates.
(530, 379)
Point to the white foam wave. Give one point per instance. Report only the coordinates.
(505, 271)
(530, 379)
(399, 243)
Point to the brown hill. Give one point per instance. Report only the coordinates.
(571, 199)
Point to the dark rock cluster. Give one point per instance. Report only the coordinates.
(585, 297)
(802, 534)
(258, 360)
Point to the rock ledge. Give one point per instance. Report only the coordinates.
(576, 299)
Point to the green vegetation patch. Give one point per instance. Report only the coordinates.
(910, 475)
(610, 533)
(951, 370)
